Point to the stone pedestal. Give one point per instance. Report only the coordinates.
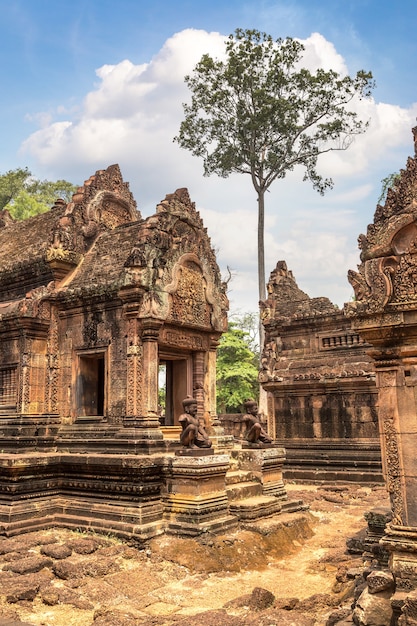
(195, 499)
(267, 463)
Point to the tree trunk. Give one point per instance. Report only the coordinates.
(261, 260)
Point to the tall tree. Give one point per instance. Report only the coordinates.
(260, 112)
(24, 196)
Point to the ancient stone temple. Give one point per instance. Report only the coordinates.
(384, 314)
(93, 297)
(320, 382)
(94, 300)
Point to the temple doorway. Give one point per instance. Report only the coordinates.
(175, 383)
(90, 385)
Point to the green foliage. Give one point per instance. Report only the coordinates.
(162, 387)
(261, 113)
(24, 196)
(249, 323)
(11, 183)
(386, 183)
(237, 370)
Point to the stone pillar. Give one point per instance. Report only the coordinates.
(198, 383)
(397, 384)
(394, 341)
(142, 392)
(215, 426)
(150, 331)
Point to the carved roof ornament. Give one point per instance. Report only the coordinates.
(104, 200)
(174, 262)
(103, 203)
(286, 301)
(387, 275)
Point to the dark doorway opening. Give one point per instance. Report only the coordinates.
(90, 388)
(175, 383)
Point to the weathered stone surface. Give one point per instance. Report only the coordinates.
(408, 615)
(261, 599)
(57, 551)
(50, 596)
(336, 617)
(286, 603)
(373, 609)
(85, 545)
(380, 581)
(23, 591)
(24, 587)
(318, 599)
(109, 617)
(25, 542)
(75, 570)
(28, 565)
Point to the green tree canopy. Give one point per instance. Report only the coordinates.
(260, 112)
(24, 196)
(237, 369)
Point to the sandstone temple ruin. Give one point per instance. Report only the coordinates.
(339, 380)
(93, 300)
(320, 382)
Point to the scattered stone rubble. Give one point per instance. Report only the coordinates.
(102, 581)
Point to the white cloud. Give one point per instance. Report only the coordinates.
(320, 53)
(131, 116)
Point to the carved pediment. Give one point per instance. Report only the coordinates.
(188, 295)
(388, 272)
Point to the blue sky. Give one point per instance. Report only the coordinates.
(87, 83)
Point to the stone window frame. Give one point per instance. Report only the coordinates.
(9, 389)
(339, 340)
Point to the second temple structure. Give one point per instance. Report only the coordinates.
(320, 383)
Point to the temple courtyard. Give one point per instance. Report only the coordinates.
(294, 569)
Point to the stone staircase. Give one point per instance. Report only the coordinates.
(249, 499)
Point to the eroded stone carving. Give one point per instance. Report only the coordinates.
(388, 271)
(254, 433)
(193, 432)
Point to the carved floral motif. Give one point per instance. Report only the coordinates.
(393, 470)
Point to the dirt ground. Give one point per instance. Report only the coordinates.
(291, 571)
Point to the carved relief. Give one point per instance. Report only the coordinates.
(51, 386)
(182, 339)
(269, 360)
(373, 283)
(90, 329)
(134, 354)
(405, 281)
(388, 272)
(392, 461)
(188, 301)
(24, 388)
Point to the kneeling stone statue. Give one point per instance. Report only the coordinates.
(193, 434)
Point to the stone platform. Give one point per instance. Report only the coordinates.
(139, 496)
